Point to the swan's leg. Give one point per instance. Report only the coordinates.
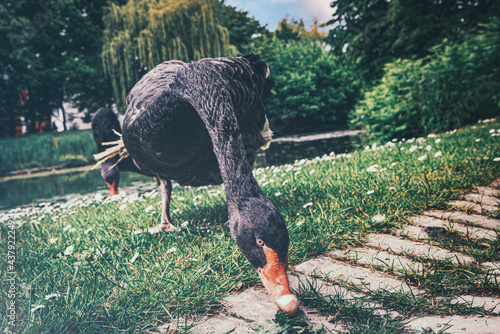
(166, 221)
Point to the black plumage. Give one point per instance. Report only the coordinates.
(200, 123)
(105, 126)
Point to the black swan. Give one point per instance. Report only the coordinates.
(106, 129)
(201, 123)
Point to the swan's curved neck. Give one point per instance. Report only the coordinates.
(205, 89)
(235, 169)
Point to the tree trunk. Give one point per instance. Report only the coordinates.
(64, 117)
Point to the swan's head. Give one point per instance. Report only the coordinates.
(261, 235)
(111, 176)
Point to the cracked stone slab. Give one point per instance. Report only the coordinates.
(397, 245)
(255, 304)
(475, 324)
(373, 257)
(492, 267)
(479, 208)
(483, 200)
(491, 304)
(364, 278)
(483, 221)
(471, 231)
(221, 323)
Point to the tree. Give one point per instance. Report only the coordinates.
(293, 30)
(142, 33)
(242, 28)
(50, 51)
(371, 33)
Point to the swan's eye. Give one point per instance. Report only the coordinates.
(260, 242)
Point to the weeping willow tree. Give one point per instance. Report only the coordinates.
(143, 33)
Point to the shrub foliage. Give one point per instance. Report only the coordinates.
(313, 89)
(455, 85)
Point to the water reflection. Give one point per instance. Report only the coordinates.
(62, 185)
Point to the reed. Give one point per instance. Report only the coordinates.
(45, 150)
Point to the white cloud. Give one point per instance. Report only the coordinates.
(272, 11)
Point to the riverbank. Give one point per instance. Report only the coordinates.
(292, 139)
(89, 271)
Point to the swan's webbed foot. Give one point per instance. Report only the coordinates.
(163, 227)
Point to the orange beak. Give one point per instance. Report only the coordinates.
(274, 278)
(113, 188)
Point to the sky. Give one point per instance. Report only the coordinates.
(272, 11)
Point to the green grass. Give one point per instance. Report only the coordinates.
(118, 281)
(71, 148)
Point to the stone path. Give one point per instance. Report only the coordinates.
(354, 273)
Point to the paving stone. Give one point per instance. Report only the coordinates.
(483, 221)
(298, 282)
(483, 200)
(255, 304)
(492, 267)
(221, 323)
(471, 231)
(181, 323)
(374, 257)
(475, 324)
(413, 232)
(491, 304)
(395, 244)
(424, 220)
(364, 278)
(479, 208)
(488, 191)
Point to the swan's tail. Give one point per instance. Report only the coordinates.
(267, 133)
(117, 150)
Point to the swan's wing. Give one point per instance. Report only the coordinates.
(249, 88)
(151, 86)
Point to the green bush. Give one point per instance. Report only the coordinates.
(455, 85)
(312, 87)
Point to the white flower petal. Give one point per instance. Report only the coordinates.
(37, 307)
(52, 295)
(136, 255)
(69, 250)
(378, 218)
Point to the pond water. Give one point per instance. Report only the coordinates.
(66, 184)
